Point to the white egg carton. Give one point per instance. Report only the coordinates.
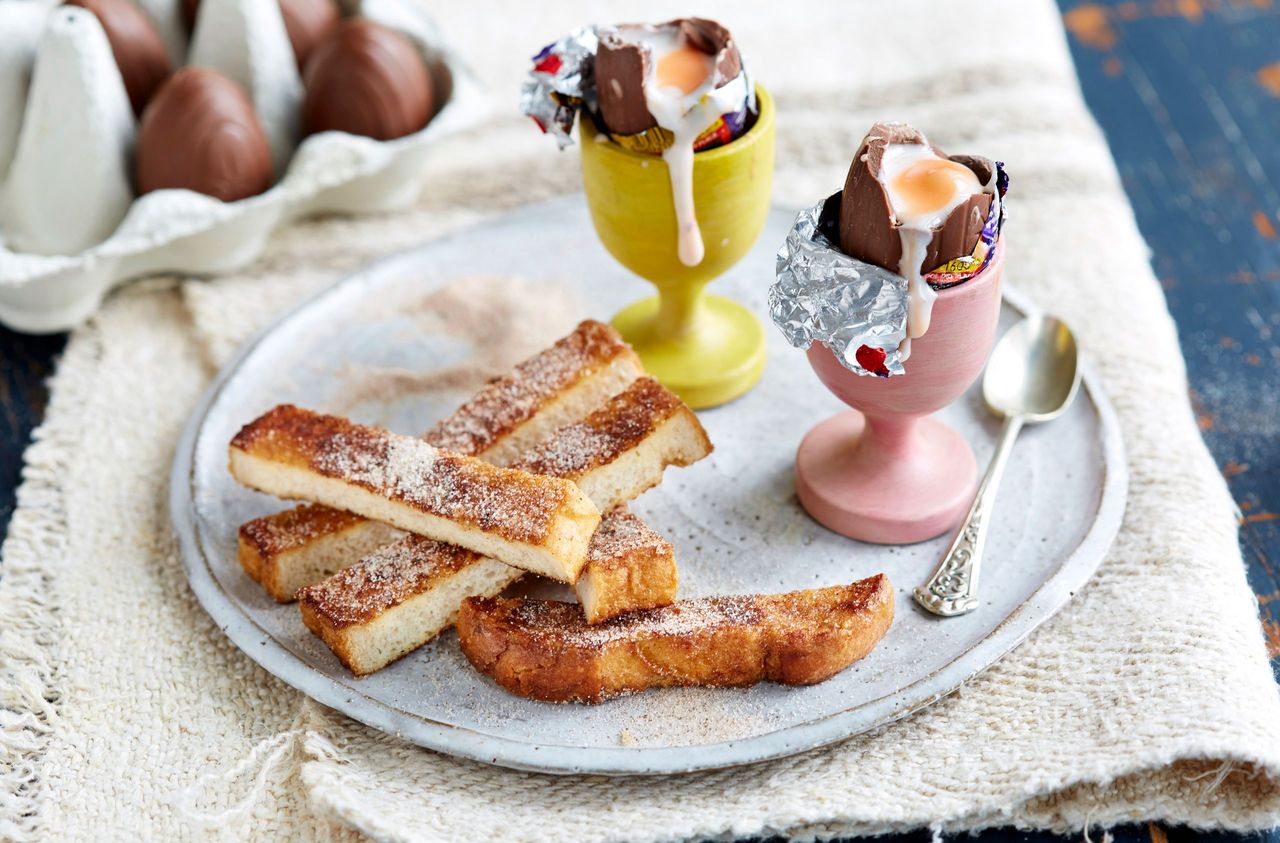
(71, 226)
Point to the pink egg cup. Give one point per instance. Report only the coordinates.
(884, 472)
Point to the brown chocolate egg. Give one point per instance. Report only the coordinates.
(137, 46)
(621, 65)
(367, 79)
(306, 21)
(868, 227)
(200, 132)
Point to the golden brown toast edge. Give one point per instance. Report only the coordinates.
(373, 612)
(622, 423)
(274, 550)
(514, 412)
(342, 609)
(546, 650)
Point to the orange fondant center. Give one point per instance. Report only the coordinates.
(932, 184)
(684, 68)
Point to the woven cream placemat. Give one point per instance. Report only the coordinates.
(124, 713)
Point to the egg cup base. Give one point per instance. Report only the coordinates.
(719, 358)
(850, 480)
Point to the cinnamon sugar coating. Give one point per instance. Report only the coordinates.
(290, 529)
(414, 565)
(384, 579)
(515, 504)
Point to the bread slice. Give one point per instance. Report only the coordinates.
(539, 523)
(629, 567)
(300, 546)
(394, 601)
(557, 386)
(637, 434)
(401, 596)
(546, 650)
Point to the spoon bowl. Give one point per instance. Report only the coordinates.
(1034, 371)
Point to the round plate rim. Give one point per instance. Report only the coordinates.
(463, 742)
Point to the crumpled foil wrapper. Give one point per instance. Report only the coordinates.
(561, 82)
(856, 309)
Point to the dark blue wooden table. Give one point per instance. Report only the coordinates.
(1188, 92)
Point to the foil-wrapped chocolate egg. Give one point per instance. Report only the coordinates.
(623, 59)
(306, 21)
(367, 79)
(200, 132)
(138, 49)
(870, 225)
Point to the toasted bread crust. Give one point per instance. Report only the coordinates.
(282, 574)
(629, 567)
(413, 566)
(397, 599)
(545, 650)
(295, 547)
(382, 580)
(621, 424)
(292, 528)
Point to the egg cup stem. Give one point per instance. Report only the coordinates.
(716, 359)
(680, 310)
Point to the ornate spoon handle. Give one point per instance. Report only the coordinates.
(952, 588)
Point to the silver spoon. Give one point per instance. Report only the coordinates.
(1032, 377)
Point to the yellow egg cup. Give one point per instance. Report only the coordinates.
(706, 349)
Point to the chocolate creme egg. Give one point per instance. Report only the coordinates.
(200, 133)
(909, 208)
(667, 89)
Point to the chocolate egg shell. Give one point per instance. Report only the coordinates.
(306, 21)
(190, 8)
(367, 79)
(200, 133)
(138, 48)
(620, 69)
(867, 231)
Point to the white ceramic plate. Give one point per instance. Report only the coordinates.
(733, 518)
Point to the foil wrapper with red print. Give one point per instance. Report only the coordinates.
(820, 294)
(560, 83)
